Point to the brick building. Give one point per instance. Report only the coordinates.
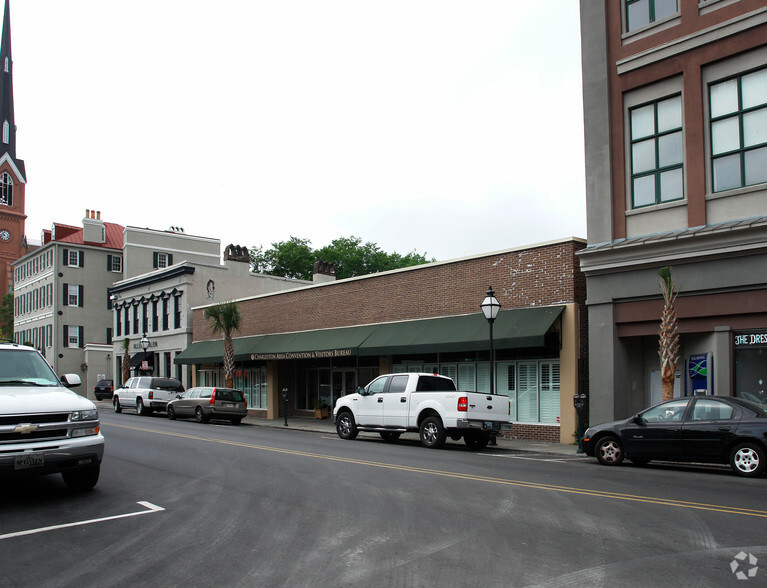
(325, 340)
(675, 109)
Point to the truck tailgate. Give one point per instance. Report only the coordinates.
(487, 407)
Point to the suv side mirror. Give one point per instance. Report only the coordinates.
(70, 380)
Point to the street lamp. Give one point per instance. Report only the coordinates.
(490, 306)
(144, 345)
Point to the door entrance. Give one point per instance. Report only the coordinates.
(344, 382)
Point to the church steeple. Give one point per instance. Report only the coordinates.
(7, 119)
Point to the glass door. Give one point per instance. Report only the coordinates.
(344, 382)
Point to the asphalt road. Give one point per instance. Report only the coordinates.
(183, 504)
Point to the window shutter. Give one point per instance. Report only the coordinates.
(81, 259)
(109, 335)
(65, 339)
(81, 337)
(154, 259)
(170, 259)
(80, 296)
(65, 300)
(109, 263)
(66, 257)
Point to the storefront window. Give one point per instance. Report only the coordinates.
(750, 349)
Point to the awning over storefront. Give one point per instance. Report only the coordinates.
(512, 329)
(141, 356)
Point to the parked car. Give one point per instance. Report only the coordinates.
(45, 428)
(205, 403)
(103, 389)
(146, 394)
(704, 429)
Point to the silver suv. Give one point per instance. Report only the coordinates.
(45, 428)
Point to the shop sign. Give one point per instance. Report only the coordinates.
(302, 355)
(749, 339)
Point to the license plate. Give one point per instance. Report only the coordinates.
(26, 462)
(228, 405)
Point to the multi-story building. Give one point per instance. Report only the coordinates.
(158, 304)
(13, 243)
(60, 293)
(675, 108)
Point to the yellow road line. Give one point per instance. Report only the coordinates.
(461, 476)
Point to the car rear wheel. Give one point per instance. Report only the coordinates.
(199, 415)
(748, 459)
(116, 404)
(345, 426)
(141, 408)
(171, 413)
(432, 433)
(609, 451)
(476, 440)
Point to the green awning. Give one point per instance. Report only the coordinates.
(513, 329)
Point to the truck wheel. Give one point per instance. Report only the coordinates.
(345, 426)
(432, 433)
(389, 436)
(116, 404)
(141, 409)
(476, 440)
(81, 479)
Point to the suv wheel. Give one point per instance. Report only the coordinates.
(116, 404)
(81, 479)
(141, 408)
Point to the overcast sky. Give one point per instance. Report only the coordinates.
(446, 127)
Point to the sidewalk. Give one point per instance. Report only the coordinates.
(327, 426)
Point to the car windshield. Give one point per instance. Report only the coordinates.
(25, 368)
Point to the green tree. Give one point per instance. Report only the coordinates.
(225, 318)
(6, 317)
(350, 256)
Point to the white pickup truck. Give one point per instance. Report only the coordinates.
(428, 404)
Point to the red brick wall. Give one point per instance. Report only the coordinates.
(537, 276)
(549, 434)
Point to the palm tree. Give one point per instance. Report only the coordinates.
(225, 317)
(126, 360)
(668, 347)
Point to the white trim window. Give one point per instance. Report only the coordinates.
(6, 189)
(73, 298)
(73, 338)
(738, 110)
(6, 132)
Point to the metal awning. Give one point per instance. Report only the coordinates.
(513, 329)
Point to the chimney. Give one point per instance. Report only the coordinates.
(93, 227)
(323, 271)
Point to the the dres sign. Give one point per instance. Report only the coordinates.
(748, 339)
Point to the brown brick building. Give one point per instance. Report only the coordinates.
(324, 340)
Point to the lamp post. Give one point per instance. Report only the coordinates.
(490, 306)
(144, 345)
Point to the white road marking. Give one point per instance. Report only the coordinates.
(151, 508)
